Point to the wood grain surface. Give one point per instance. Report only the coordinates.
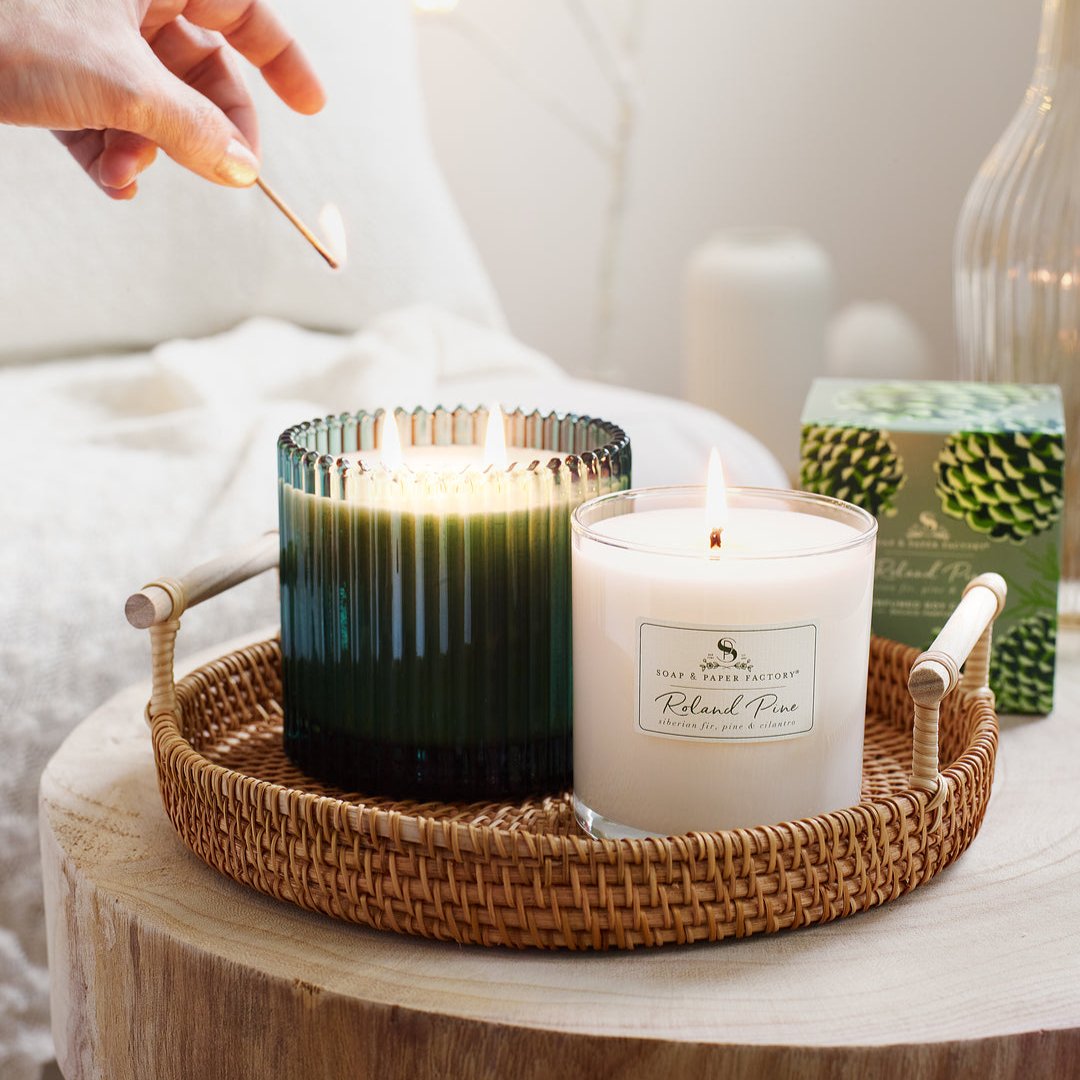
(163, 969)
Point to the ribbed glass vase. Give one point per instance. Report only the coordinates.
(425, 609)
(1017, 254)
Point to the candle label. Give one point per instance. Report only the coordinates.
(725, 684)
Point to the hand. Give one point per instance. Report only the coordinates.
(116, 79)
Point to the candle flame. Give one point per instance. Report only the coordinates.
(390, 442)
(495, 439)
(716, 504)
(332, 230)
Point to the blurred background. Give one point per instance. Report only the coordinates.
(860, 124)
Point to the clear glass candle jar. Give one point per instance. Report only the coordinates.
(718, 688)
(425, 609)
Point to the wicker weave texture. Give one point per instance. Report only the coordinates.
(524, 875)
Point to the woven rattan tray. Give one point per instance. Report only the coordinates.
(525, 875)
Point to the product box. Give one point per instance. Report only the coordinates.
(963, 478)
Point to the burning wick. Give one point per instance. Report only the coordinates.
(329, 220)
(716, 507)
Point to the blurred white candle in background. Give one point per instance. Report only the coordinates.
(876, 340)
(757, 302)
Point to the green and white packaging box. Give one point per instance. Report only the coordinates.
(963, 478)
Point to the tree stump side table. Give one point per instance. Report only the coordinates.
(163, 969)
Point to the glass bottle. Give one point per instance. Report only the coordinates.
(1017, 254)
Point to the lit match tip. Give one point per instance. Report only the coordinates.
(332, 228)
(332, 260)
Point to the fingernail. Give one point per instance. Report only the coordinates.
(239, 165)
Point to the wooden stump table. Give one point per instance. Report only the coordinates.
(164, 970)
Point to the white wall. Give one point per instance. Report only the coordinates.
(860, 122)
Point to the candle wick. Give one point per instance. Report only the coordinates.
(715, 538)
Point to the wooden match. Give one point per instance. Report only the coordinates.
(300, 227)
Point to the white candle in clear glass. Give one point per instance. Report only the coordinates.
(718, 689)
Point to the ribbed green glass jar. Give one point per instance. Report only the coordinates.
(425, 609)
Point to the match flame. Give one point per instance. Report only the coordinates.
(716, 504)
(495, 439)
(332, 231)
(390, 442)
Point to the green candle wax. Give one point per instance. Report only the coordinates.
(426, 623)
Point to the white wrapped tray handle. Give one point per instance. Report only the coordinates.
(964, 639)
(157, 607)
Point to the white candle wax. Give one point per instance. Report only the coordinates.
(450, 480)
(718, 690)
(450, 459)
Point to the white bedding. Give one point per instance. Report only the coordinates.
(122, 469)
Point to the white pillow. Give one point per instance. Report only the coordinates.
(79, 273)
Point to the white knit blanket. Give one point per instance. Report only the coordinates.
(125, 468)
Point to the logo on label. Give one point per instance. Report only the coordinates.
(734, 684)
(927, 528)
(726, 655)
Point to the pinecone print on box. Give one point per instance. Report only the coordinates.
(990, 454)
(1005, 485)
(859, 465)
(915, 403)
(1022, 668)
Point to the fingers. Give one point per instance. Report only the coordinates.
(199, 57)
(190, 126)
(123, 158)
(252, 28)
(188, 37)
(112, 159)
(122, 194)
(180, 90)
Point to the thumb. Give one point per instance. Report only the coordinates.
(191, 129)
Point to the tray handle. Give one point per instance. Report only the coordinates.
(964, 639)
(157, 607)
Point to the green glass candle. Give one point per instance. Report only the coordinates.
(425, 607)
